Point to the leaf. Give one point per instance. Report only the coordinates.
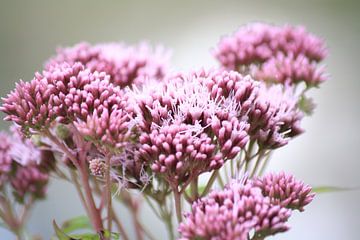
(329, 189)
(77, 223)
(306, 105)
(111, 235)
(87, 236)
(60, 234)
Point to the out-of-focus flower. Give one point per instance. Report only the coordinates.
(126, 65)
(29, 180)
(23, 150)
(5, 158)
(285, 190)
(281, 54)
(234, 213)
(290, 70)
(258, 42)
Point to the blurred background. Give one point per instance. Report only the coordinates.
(327, 154)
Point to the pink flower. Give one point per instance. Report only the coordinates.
(29, 180)
(290, 70)
(274, 53)
(104, 113)
(233, 213)
(35, 104)
(126, 65)
(274, 118)
(182, 123)
(179, 152)
(5, 158)
(285, 190)
(258, 42)
(23, 150)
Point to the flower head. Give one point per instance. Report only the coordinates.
(179, 152)
(233, 213)
(29, 181)
(258, 42)
(35, 104)
(126, 65)
(105, 113)
(182, 122)
(285, 190)
(23, 150)
(5, 158)
(275, 117)
(290, 70)
(274, 53)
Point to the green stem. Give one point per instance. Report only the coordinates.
(265, 163)
(194, 189)
(257, 163)
(108, 192)
(177, 200)
(210, 183)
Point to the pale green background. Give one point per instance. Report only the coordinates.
(328, 153)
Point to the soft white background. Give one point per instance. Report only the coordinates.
(327, 154)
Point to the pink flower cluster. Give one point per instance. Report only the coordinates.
(25, 172)
(182, 125)
(69, 93)
(187, 118)
(244, 208)
(283, 189)
(284, 54)
(126, 65)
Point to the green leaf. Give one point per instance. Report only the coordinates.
(60, 234)
(77, 223)
(306, 105)
(111, 235)
(330, 189)
(87, 236)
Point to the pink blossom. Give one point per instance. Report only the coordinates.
(258, 42)
(29, 180)
(126, 65)
(290, 69)
(5, 158)
(274, 118)
(37, 103)
(281, 54)
(285, 190)
(242, 205)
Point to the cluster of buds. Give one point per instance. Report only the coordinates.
(284, 54)
(126, 65)
(249, 208)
